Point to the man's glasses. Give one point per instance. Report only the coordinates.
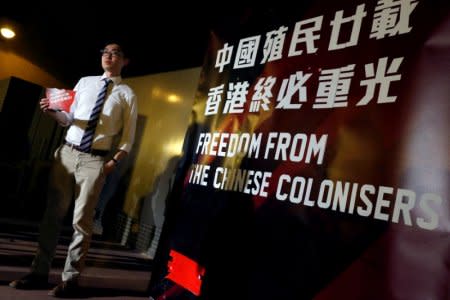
(115, 53)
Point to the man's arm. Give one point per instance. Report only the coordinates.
(111, 164)
(128, 132)
(129, 117)
(121, 154)
(61, 117)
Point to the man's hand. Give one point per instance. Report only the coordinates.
(44, 103)
(59, 117)
(109, 166)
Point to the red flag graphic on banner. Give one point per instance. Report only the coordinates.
(185, 272)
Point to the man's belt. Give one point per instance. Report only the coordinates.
(95, 152)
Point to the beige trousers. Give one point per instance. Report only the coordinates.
(74, 176)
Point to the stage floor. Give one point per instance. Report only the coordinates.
(112, 271)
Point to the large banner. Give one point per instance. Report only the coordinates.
(317, 164)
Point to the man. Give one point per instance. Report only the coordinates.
(102, 117)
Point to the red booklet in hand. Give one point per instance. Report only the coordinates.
(60, 99)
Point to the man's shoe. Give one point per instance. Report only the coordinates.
(31, 281)
(66, 289)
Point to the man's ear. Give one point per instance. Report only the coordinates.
(126, 61)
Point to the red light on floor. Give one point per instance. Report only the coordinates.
(185, 272)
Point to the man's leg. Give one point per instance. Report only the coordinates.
(58, 202)
(60, 194)
(89, 182)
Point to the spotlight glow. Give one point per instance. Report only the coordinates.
(172, 98)
(7, 33)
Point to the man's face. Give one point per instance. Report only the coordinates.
(112, 59)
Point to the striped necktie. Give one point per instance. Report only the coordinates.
(88, 136)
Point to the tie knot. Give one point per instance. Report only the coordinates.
(107, 81)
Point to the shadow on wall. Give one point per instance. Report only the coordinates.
(154, 208)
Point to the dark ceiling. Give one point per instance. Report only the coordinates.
(65, 39)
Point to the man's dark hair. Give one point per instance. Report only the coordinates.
(123, 47)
